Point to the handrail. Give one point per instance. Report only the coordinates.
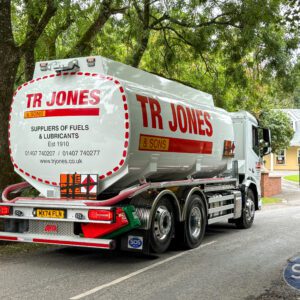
(124, 194)
(13, 187)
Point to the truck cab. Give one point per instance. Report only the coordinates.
(248, 152)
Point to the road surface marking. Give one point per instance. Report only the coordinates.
(116, 281)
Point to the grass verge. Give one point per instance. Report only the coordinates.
(294, 178)
(269, 200)
(7, 248)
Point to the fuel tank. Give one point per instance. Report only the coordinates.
(119, 123)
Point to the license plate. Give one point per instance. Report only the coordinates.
(50, 213)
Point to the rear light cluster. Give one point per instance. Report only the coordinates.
(229, 148)
(101, 215)
(4, 210)
(117, 217)
(121, 216)
(108, 215)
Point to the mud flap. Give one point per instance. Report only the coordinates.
(136, 241)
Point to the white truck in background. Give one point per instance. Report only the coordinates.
(122, 158)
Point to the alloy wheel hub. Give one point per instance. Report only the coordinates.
(162, 223)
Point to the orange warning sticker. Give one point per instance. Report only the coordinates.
(78, 186)
(154, 143)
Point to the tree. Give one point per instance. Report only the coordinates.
(106, 9)
(243, 52)
(21, 44)
(232, 49)
(280, 126)
(11, 53)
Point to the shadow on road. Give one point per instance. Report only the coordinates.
(98, 255)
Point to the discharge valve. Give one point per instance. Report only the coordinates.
(71, 66)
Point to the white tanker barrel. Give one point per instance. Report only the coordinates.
(87, 123)
(173, 139)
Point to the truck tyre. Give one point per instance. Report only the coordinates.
(195, 223)
(247, 218)
(162, 226)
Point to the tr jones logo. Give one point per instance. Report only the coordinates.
(292, 273)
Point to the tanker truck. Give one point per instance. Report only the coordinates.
(122, 158)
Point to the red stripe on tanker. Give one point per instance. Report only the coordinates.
(67, 112)
(167, 144)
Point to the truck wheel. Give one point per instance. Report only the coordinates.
(195, 223)
(162, 226)
(247, 218)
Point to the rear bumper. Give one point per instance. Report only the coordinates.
(58, 240)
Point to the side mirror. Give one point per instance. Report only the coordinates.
(266, 151)
(266, 135)
(265, 142)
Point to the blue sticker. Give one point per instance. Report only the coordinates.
(292, 273)
(135, 242)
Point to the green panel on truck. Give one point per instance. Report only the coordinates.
(133, 222)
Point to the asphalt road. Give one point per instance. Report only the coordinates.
(230, 264)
